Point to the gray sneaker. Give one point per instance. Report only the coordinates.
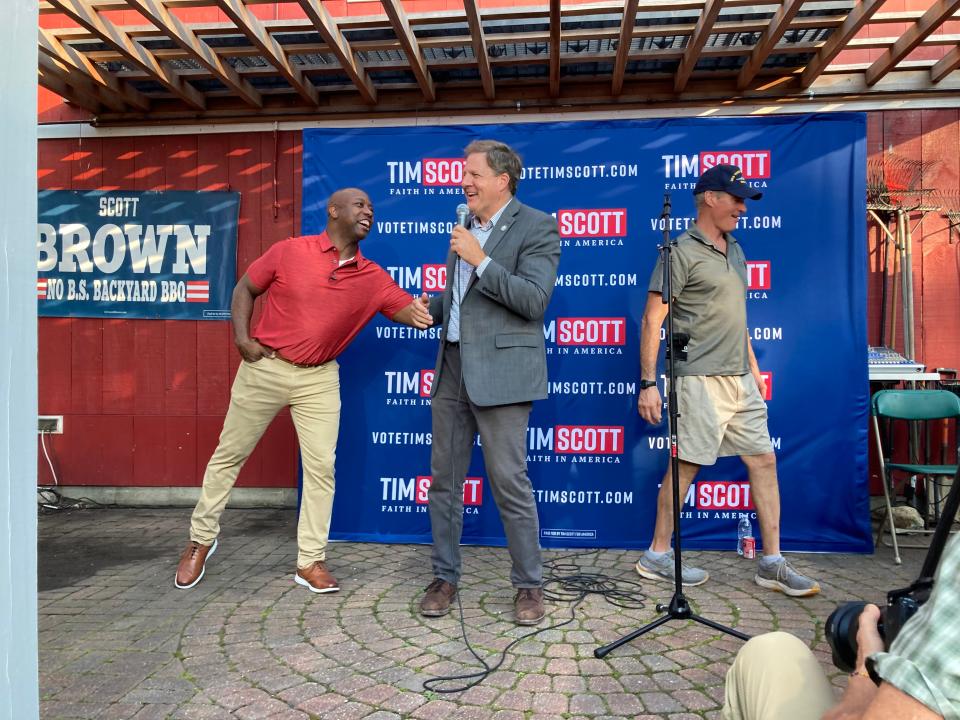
(784, 578)
(662, 569)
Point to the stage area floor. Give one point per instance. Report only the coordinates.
(117, 640)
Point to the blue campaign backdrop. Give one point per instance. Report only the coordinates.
(594, 464)
(130, 254)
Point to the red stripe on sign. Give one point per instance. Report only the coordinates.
(198, 291)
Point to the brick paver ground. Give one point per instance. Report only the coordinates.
(117, 640)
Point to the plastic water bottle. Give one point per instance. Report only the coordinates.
(744, 530)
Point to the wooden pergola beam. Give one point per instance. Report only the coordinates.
(174, 28)
(700, 34)
(418, 66)
(933, 18)
(623, 45)
(57, 85)
(82, 12)
(81, 64)
(527, 10)
(479, 47)
(250, 25)
(305, 25)
(554, 40)
(86, 92)
(945, 65)
(771, 35)
(858, 17)
(327, 26)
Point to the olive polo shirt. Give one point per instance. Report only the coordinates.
(710, 305)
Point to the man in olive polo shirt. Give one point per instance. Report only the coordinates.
(719, 387)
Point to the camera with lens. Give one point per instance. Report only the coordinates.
(842, 625)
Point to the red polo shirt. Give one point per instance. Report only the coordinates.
(314, 306)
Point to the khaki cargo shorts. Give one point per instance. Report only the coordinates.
(720, 415)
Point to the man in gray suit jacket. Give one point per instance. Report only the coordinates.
(491, 366)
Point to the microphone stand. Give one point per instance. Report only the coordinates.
(679, 608)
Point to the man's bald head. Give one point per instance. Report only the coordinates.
(349, 215)
(343, 197)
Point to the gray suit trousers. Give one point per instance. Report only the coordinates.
(503, 434)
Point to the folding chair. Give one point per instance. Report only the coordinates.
(910, 405)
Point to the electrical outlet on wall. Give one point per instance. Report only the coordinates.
(50, 424)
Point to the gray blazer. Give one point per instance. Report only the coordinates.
(501, 313)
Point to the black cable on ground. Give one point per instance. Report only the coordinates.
(563, 582)
(50, 501)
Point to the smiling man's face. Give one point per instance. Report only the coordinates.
(725, 209)
(353, 212)
(485, 191)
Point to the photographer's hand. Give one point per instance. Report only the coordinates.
(862, 700)
(868, 637)
(860, 690)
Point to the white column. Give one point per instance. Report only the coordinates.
(18, 362)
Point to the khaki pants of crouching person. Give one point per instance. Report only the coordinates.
(776, 676)
(260, 390)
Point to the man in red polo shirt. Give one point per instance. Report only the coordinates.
(320, 292)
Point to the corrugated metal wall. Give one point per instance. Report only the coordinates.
(143, 401)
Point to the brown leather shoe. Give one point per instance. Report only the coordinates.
(316, 578)
(437, 598)
(528, 606)
(193, 561)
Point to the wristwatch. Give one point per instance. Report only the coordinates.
(644, 384)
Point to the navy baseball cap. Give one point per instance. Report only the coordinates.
(728, 179)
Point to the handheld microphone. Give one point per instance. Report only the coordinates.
(463, 212)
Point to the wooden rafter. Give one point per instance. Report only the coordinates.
(768, 40)
(257, 71)
(327, 27)
(251, 26)
(84, 89)
(623, 44)
(418, 66)
(80, 64)
(555, 27)
(692, 53)
(294, 25)
(174, 28)
(83, 13)
(856, 19)
(933, 18)
(479, 47)
(945, 65)
(55, 84)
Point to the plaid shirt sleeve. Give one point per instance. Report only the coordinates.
(924, 659)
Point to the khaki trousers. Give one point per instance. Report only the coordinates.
(260, 391)
(776, 677)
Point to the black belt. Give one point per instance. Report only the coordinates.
(278, 356)
(452, 343)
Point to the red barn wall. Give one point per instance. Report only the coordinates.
(143, 400)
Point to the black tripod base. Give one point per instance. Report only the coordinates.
(678, 609)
